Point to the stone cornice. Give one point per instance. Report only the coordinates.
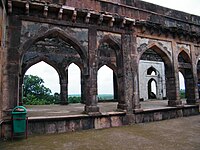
(153, 25)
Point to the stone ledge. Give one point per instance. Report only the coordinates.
(62, 124)
(166, 109)
(75, 116)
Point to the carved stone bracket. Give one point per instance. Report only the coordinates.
(45, 13)
(74, 16)
(27, 8)
(87, 18)
(60, 13)
(9, 6)
(100, 20)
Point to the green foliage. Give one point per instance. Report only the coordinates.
(74, 99)
(105, 96)
(34, 85)
(35, 93)
(182, 94)
(33, 100)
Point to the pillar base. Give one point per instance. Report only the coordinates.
(137, 110)
(92, 110)
(174, 103)
(64, 103)
(82, 102)
(20, 103)
(198, 101)
(191, 102)
(122, 107)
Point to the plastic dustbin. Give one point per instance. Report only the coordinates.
(19, 119)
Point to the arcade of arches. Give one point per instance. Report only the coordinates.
(140, 52)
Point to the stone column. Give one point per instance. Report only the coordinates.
(83, 94)
(172, 81)
(135, 70)
(21, 90)
(63, 91)
(128, 80)
(10, 83)
(91, 79)
(193, 81)
(115, 87)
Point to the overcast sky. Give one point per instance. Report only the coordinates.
(50, 76)
(189, 6)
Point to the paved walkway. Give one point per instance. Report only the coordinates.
(75, 109)
(174, 134)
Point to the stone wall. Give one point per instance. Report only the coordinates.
(49, 125)
(3, 23)
(95, 33)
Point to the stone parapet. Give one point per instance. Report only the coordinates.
(62, 124)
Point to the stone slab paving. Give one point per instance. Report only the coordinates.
(174, 134)
(75, 109)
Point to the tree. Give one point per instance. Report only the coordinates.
(35, 93)
(33, 85)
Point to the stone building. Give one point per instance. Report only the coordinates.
(93, 33)
(151, 72)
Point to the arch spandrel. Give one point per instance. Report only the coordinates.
(114, 43)
(114, 55)
(59, 34)
(26, 66)
(166, 56)
(185, 56)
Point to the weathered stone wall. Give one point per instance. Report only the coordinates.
(3, 23)
(93, 33)
(83, 122)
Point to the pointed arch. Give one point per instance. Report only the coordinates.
(47, 72)
(109, 65)
(197, 60)
(160, 51)
(152, 93)
(150, 70)
(184, 56)
(115, 45)
(182, 88)
(108, 78)
(36, 60)
(74, 79)
(55, 32)
(77, 63)
(111, 41)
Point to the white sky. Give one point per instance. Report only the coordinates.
(189, 6)
(50, 76)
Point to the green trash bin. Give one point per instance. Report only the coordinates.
(19, 119)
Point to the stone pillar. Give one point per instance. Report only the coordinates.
(193, 80)
(63, 91)
(12, 64)
(21, 90)
(172, 79)
(2, 50)
(135, 70)
(128, 80)
(91, 79)
(115, 87)
(83, 94)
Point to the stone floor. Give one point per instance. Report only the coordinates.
(75, 109)
(175, 134)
